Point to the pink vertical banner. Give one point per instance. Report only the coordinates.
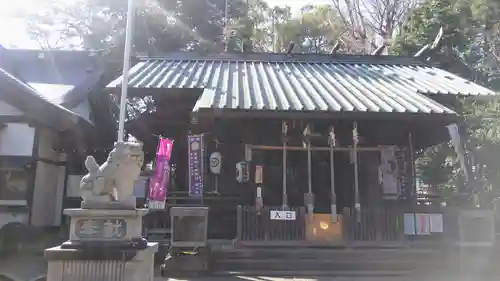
(158, 185)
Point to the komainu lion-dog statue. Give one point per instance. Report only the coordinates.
(111, 185)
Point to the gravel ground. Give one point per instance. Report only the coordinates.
(23, 267)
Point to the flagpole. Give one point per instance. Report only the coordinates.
(126, 66)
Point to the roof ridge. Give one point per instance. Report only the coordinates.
(289, 58)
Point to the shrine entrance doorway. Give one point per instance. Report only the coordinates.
(292, 179)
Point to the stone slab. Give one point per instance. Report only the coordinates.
(106, 225)
(105, 206)
(189, 211)
(104, 212)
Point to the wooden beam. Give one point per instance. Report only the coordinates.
(422, 51)
(378, 51)
(437, 40)
(335, 48)
(426, 49)
(313, 148)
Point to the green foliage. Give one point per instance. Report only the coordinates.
(483, 128)
(425, 21)
(165, 25)
(160, 26)
(469, 48)
(434, 166)
(471, 36)
(315, 31)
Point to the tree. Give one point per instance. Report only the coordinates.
(469, 41)
(370, 23)
(468, 48)
(249, 31)
(315, 31)
(160, 26)
(435, 166)
(483, 129)
(321, 28)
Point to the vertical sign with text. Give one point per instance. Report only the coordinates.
(195, 162)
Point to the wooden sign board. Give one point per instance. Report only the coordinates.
(282, 215)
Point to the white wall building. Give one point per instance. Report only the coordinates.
(48, 103)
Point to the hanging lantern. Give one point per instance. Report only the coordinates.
(307, 134)
(331, 137)
(355, 134)
(284, 128)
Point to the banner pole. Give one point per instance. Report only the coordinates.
(333, 198)
(357, 205)
(126, 66)
(284, 195)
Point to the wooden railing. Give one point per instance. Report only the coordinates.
(256, 225)
(378, 224)
(381, 223)
(373, 224)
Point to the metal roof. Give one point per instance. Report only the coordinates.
(59, 76)
(380, 85)
(61, 80)
(24, 97)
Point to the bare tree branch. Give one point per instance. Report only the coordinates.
(368, 20)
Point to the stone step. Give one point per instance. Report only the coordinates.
(313, 265)
(327, 254)
(312, 274)
(325, 259)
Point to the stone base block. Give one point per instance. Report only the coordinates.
(101, 265)
(118, 205)
(102, 225)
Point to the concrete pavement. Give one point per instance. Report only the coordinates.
(29, 268)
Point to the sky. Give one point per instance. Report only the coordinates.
(13, 29)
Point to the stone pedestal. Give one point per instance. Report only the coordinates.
(105, 245)
(112, 264)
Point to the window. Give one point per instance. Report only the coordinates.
(13, 186)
